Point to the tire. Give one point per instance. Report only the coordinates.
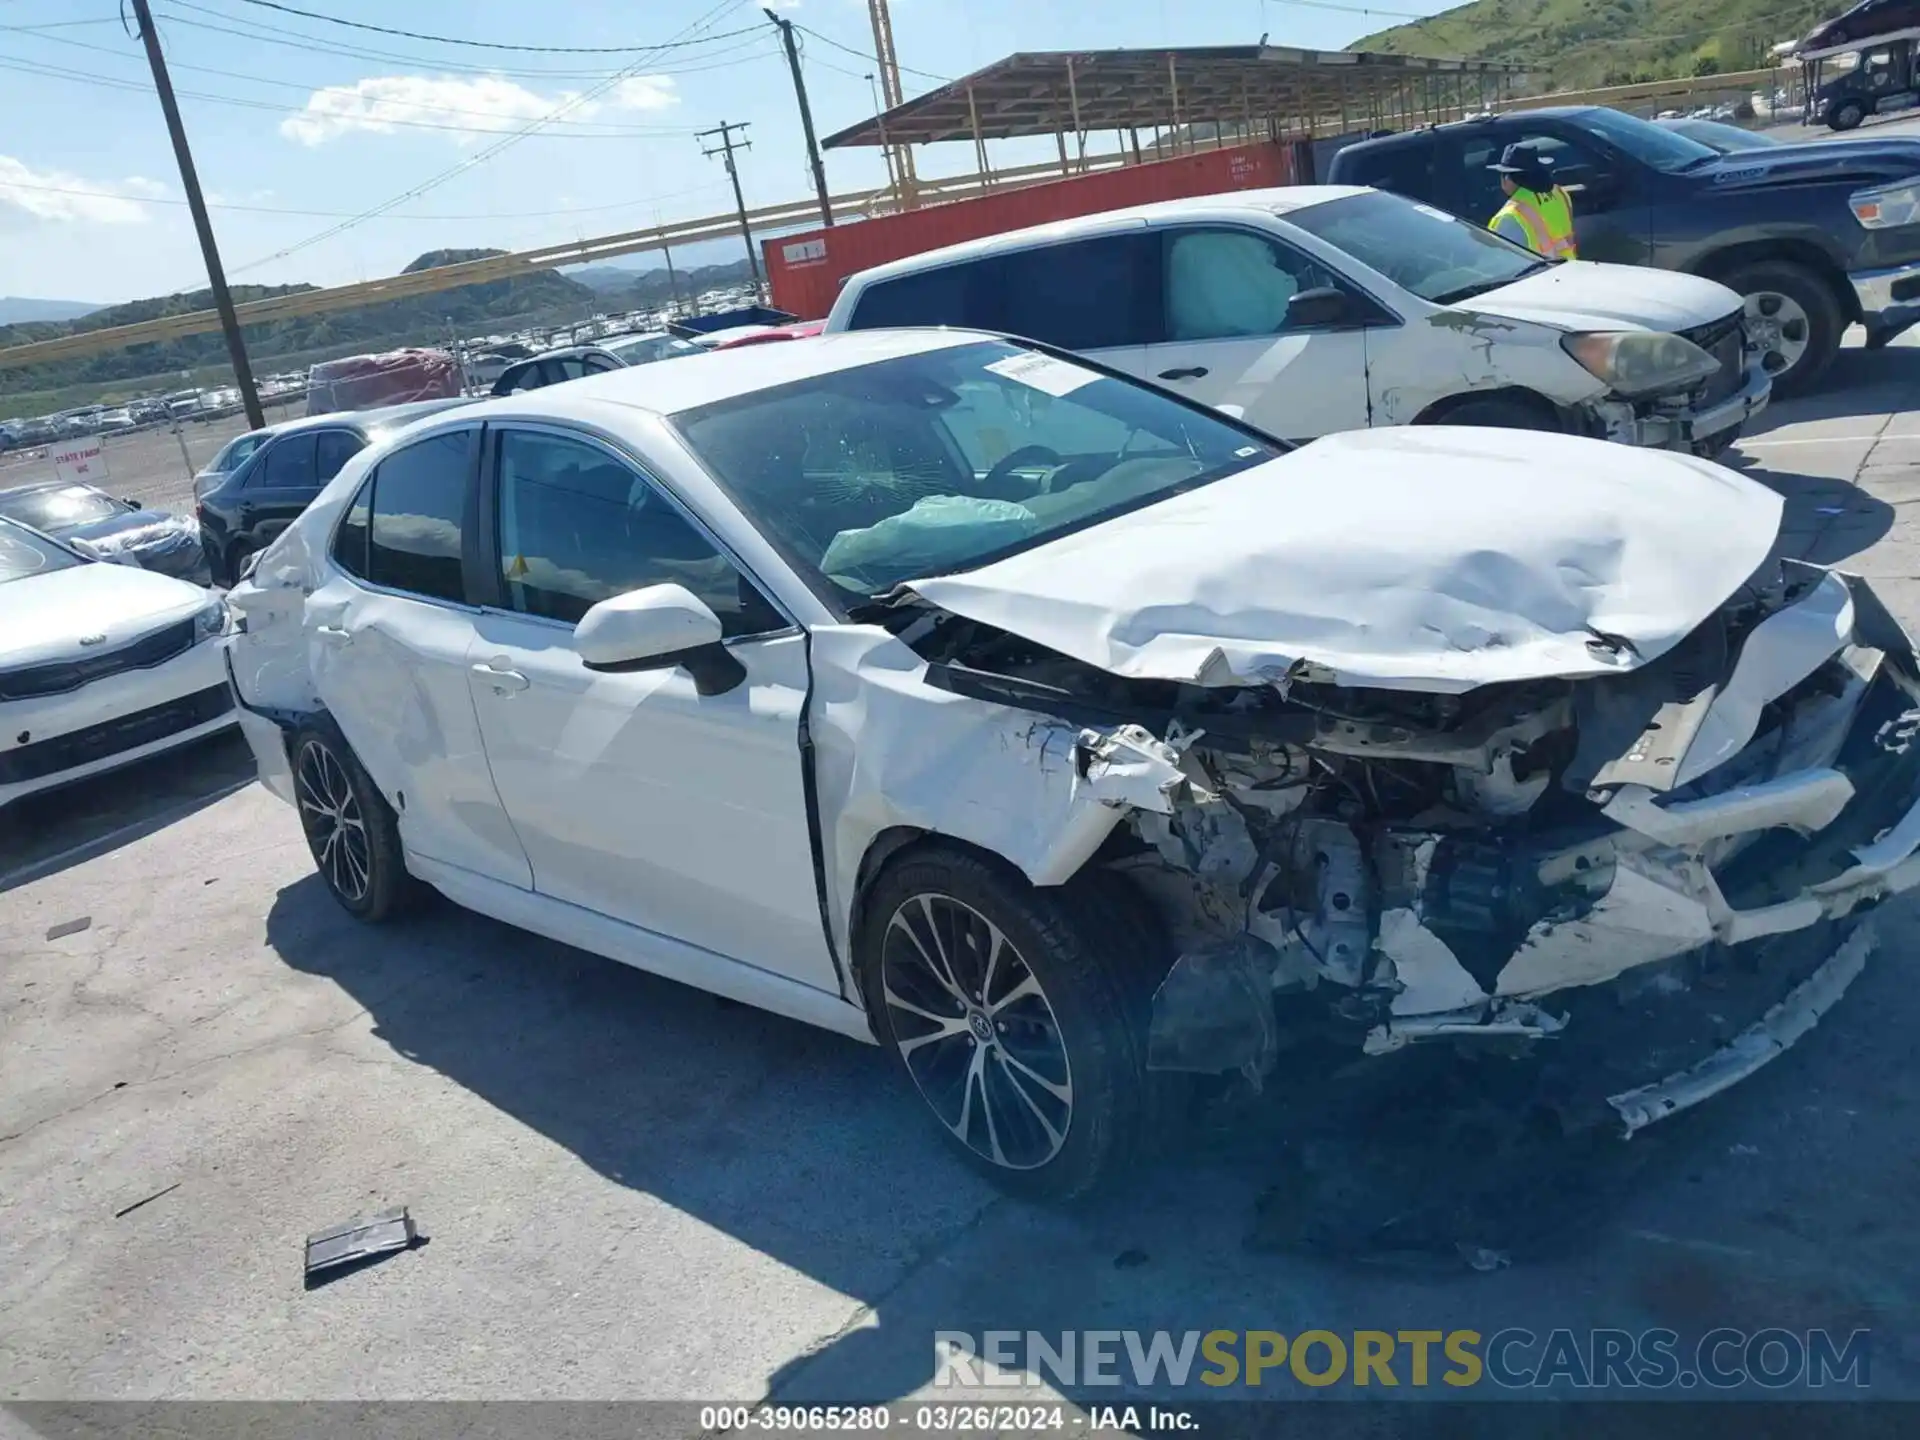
(1041, 1083)
(1718, 445)
(1846, 116)
(1807, 341)
(351, 831)
(1499, 413)
(237, 559)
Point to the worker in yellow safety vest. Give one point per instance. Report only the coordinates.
(1538, 213)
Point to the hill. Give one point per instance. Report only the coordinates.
(622, 289)
(15, 308)
(1577, 44)
(541, 295)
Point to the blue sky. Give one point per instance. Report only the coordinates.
(292, 114)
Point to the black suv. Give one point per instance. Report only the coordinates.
(240, 511)
(1815, 236)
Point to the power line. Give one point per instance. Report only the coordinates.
(7, 185)
(293, 40)
(307, 87)
(110, 82)
(68, 24)
(482, 156)
(1360, 9)
(474, 44)
(870, 58)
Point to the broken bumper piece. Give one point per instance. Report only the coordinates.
(1683, 428)
(1648, 952)
(1721, 872)
(1759, 1044)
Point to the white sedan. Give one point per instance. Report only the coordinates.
(101, 664)
(1071, 739)
(1311, 309)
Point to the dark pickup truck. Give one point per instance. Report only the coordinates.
(1815, 236)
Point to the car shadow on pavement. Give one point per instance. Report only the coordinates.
(1824, 521)
(807, 1148)
(1861, 382)
(49, 832)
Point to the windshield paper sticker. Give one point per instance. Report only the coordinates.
(1043, 373)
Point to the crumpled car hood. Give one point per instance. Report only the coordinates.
(1430, 558)
(1584, 296)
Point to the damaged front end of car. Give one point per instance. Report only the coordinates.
(1651, 878)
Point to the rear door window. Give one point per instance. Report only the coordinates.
(929, 297)
(1100, 293)
(418, 518)
(1223, 283)
(1097, 294)
(288, 464)
(1406, 169)
(333, 449)
(525, 376)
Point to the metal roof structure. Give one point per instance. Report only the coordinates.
(1047, 92)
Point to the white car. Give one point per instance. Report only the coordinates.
(101, 664)
(1069, 738)
(1312, 309)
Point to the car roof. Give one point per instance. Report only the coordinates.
(1273, 200)
(378, 417)
(688, 382)
(565, 352)
(1472, 122)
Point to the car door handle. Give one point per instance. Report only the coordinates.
(333, 635)
(504, 682)
(1191, 372)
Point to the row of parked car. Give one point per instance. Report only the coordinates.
(1043, 711)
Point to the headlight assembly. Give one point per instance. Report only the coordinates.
(210, 621)
(1885, 206)
(1641, 362)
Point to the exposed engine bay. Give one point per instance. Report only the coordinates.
(1400, 866)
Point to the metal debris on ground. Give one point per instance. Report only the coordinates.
(69, 927)
(127, 1210)
(333, 1252)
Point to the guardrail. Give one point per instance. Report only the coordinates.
(799, 214)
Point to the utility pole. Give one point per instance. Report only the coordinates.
(894, 95)
(806, 116)
(190, 182)
(726, 147)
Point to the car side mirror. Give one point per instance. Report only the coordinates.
(655, 628)
(129, 502)
(1316, 308)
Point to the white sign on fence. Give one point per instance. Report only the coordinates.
(82, 460)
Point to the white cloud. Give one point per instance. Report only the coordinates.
(56, 195)
(467, 106)
(641, 92)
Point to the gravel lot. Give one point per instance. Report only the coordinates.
(633, 1190)
(148, 465)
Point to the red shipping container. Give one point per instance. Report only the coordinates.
(806, 270)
